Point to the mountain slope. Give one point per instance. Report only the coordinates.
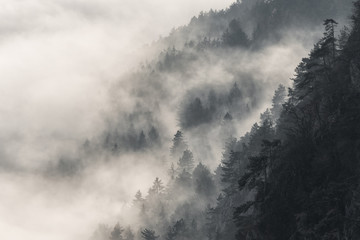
(295, 174)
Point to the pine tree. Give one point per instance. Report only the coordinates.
(179, 144)
(266, 117)
(329, 40)
(186, 162)
(184, 180)
(195, 114)
(157, 188)
(148, 234)
(277, 102)
(231, 172)
(139, 200)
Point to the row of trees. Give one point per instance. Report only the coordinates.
(216, 106)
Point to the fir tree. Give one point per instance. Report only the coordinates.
(179, 144)
(157, 188)
(148, 234)
(186, 162)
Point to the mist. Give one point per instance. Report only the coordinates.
(77, 76)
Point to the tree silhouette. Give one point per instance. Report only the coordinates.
(186, 162)
(179, 144)
(148, 234)
(157, 187)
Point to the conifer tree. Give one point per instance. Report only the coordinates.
(139, 200)
(277, 101)
(235, 94)
(179, 144)
(235, 36)
(203, 182)
(186, 162)
(329, 40)
(157, 188)
(148, 234)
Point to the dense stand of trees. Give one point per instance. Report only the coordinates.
(294, 175)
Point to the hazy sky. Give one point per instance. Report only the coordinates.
(57, 59)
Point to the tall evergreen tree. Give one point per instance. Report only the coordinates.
(179, 144)
(186, 162)
(277, 102)
(139, 200)
(157, 188)
(329, 41)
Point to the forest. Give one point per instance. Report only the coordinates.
(294, 174)
(241, 123)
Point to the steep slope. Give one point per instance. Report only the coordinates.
(214, 67)
(309, 185)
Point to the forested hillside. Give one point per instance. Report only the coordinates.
(293, 175)
(263, 21)
(205, 81)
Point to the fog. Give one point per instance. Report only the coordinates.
(64, 78)
(58, 57)
(57, 61)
